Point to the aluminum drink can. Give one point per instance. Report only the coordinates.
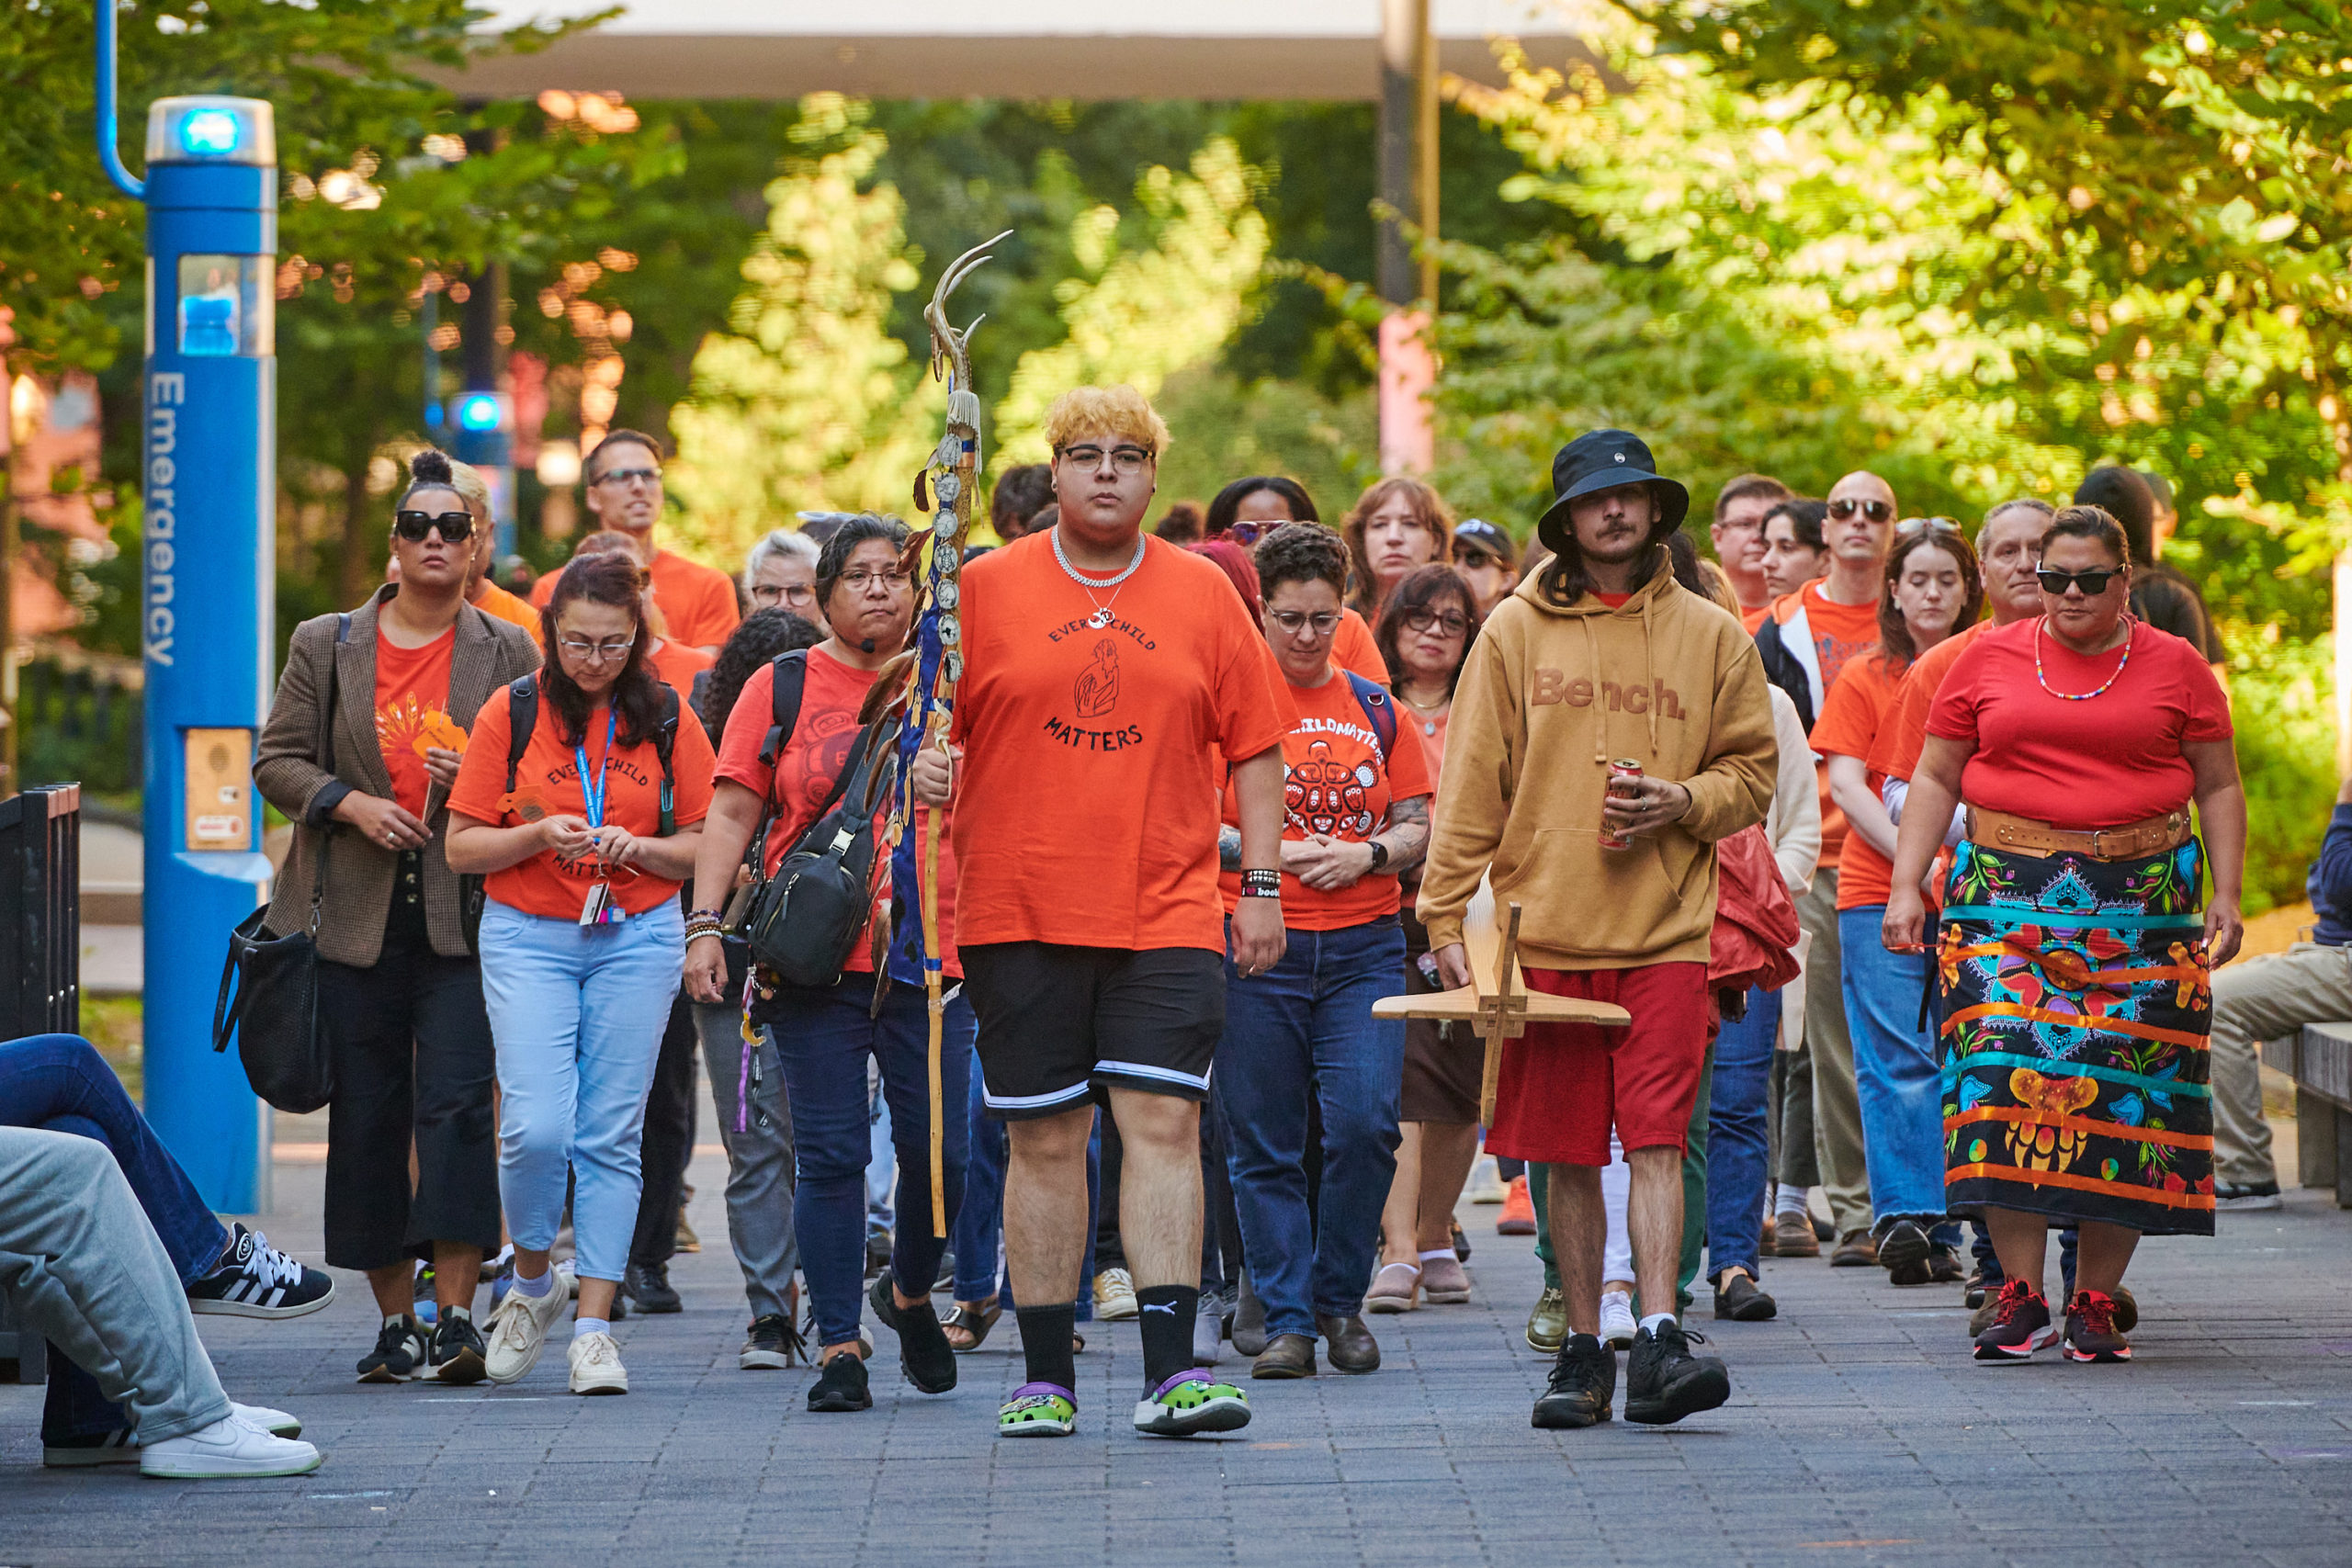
(1621, 768)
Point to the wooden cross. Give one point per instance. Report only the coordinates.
(1503, 1010)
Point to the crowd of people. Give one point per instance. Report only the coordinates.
(1894, 843)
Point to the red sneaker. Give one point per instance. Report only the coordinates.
(1518, 1217)
(2092, 1332)
(2021, 1325)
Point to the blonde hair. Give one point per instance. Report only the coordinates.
(466, 480)
(1122, 411)
(1430, 512)
(1718, 585)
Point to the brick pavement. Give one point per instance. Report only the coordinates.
(1858, 1433)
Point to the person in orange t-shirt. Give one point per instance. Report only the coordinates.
(623, 476)
(1104, 674)
(1932, 584)
(581, 944)
(825, 1037)
(1301, 1035)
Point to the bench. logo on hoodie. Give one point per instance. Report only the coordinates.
(1548, 686)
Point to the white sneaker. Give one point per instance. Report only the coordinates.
(1114, 1295)
(1618, 1324)
(596, 1365)
(227, 1449)
(519, 1329)
(117, 1448)
(262, 1418)
(1486, 1181)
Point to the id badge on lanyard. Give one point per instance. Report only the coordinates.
(597, 908)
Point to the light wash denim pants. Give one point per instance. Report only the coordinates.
(1897, 1078)
(578, 1014)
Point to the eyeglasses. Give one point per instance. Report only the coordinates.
(858, 581)
(1911, 526)
(1846, 506)
(627, 476)
(595, 652)
(1292, 622)
(455, 526)
(1125, 459)
(767, 595)
(1453, 623)
(2093, 583)
(1251, 533)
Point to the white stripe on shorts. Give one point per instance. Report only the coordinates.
(1165, 1074)
(1031, 1101)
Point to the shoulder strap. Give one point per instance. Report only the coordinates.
(665, 740)
(522, 719)
(326, 760)
(788, 673)
(1378, 711)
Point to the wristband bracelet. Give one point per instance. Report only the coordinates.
(694, 915)
(1261, 876)
(1261, 892)
(702, 928)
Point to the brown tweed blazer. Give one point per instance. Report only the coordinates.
(357, 900)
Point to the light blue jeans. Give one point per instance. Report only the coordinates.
(1895, 1078)
(578, 1014)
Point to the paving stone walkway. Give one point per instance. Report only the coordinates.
(1858, 1433)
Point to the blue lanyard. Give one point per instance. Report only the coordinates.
(592, 796)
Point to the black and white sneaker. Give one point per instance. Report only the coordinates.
(459, 1353)
(399, 1352)
(254, 1279)
(771, 1345)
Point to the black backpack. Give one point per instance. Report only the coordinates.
(803, 923)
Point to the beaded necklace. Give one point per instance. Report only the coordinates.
(2130, 629)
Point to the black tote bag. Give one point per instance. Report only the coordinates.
(269, 984)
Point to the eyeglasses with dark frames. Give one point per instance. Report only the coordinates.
(456, 526)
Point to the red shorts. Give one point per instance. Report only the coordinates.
(1564, 1084)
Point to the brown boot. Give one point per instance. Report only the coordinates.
(1286, 1355)
(1348, 1344)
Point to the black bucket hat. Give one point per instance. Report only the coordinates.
(1603, 460)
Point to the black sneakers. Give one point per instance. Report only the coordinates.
(2020, 1325)
(1664, 1381)
(771, 1345)
(840, 1386)
(254, 1279)
(399, 1352)
(459, 1353)
(1584, 1380)
(1903, 1251)
(927, 1358)
(648, 1284)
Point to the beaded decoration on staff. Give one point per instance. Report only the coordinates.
(919, 685)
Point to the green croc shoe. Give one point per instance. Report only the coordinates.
(1038, 1410)
(1190, 1403)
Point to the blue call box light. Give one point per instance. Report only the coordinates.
(210, 134)
(478, 410)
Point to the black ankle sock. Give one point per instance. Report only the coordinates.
(1166, 1317)
(1045, 1343)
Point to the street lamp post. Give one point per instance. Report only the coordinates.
(208, 477)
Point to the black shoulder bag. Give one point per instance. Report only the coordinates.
(804, 921)
(269, 986)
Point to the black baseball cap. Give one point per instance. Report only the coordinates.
(1477, 534)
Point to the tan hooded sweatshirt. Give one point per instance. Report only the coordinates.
(1548, 697)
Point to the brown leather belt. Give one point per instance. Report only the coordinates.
(2154, 836)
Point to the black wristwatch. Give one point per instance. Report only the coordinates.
(1379, 854)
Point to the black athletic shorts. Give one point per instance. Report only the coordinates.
(1060, 1026)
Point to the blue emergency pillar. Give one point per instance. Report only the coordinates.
(209, 485)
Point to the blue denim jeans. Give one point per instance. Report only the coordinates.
(1304, 1031)
(824, 1038)
(1896, 1077)
(979, 1230)
(1737, 1146)
(577, 1012)
(61, 1083)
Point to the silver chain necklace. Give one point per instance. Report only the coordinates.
(1102, 617)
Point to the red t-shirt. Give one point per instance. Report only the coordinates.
(677, 664)
(1335, 782)
(2103, 763)
(697, 602)
(806, 771)
(1841, 632)
(546, 783)
(1614, 601)
(412, 691)
(1849, 724)
(1087, 813)
(1903, 730)
(1354, 648)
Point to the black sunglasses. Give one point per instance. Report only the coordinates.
(1846, 506)
(455, 526)
(2094, 583)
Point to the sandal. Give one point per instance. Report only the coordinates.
(1394, 1289)
(973, 1322)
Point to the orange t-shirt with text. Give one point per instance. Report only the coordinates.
(1087, 809)
(1848, 725)
(412, 693)
(1841, 632)
(546, 783)
(697, 602)
(1335, 782)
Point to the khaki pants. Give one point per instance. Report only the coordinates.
(2261, 999)
(1836, 1109)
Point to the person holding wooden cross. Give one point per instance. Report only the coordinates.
(1598, 661)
